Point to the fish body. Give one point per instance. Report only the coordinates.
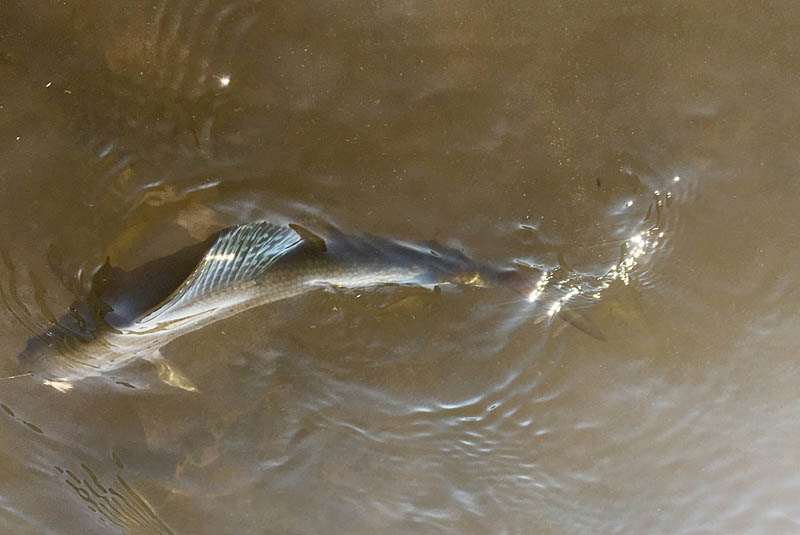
(243, 267)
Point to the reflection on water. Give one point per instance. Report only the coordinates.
(123, 508)
(33, 427)
(640, 156)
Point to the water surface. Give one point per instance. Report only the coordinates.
(646, 149)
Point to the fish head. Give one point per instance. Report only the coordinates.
(452, 266)
(516, 280)
(462, 270)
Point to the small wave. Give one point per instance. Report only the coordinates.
(117, 503)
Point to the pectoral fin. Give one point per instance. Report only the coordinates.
(582, 322)
(171, 375)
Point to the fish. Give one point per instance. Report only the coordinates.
(240, 268)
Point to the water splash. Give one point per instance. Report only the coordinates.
(562, 285)
(540, 286)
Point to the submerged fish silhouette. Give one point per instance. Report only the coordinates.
(242, 267)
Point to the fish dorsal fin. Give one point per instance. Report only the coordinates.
(239, 255)
(309, 237)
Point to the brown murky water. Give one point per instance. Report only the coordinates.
(651, 147)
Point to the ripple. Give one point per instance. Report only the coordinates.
(16, 290)
(185, 46)
(117, 503)
(31, 426)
